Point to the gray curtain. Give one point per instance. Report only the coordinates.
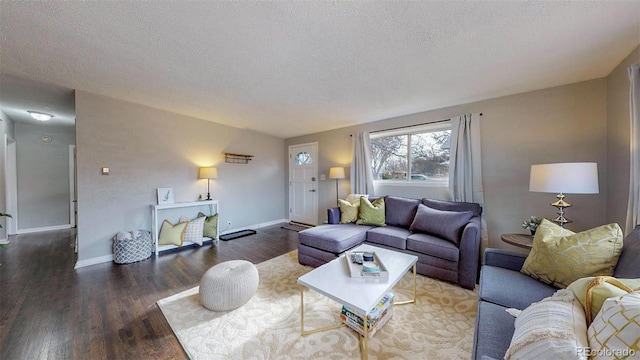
(361, 175)
(633, 209)
(465, 164)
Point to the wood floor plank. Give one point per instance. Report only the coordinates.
(105, 311)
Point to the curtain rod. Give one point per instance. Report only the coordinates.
(409, 126)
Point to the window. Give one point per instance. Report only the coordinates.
(419, 155)
(303, 158)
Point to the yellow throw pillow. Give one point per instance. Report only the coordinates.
(371, 213)
(172, 234)
(599, 288)
(560, 256)
(348, 211)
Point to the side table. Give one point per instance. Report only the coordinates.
(519, 240)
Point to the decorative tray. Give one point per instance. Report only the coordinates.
(374, 269)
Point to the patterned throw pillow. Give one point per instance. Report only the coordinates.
(599, 288)
(552, 328)
(615, 331)
(210, 225)
(371, 213)
(348, 211)
(172, 234)
(560, 256)
(194, 230)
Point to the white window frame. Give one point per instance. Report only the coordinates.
(411, 130)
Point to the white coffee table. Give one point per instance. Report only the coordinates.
(359, 294)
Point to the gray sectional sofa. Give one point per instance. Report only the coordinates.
(444, 235)
(503, 286)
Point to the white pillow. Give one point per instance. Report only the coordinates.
(615, 331)
(352, 197)
(552, 328)
(194, 230)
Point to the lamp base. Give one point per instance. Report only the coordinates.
(561, 205)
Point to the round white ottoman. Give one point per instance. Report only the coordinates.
(228, 285)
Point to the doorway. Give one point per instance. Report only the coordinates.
(303, 183)
(11, 185)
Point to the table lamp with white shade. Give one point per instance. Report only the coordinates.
(208, 173)
(561, 178)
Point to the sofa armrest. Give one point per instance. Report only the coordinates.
(504, 258)
(333, 215)
(470, 253)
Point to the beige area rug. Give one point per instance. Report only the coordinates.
(439, 326)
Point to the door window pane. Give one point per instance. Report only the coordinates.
(303, 158)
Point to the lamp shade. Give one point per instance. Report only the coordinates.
(336, 173)
(569, 178)
(208, 173)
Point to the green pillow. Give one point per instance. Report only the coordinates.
(371, 213)
(348, 211)
(560, 256)
(603, 288)
(172, 234)
(210, 225)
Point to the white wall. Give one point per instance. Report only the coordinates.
(43, 175)
(145, 149)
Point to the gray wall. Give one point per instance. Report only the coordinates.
(618, 142)
(148, 148)
(561, 124)
(43, 175)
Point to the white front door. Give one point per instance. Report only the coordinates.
(303, 183)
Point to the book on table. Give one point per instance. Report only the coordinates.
(380, 314)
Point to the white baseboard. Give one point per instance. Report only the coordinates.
(257, 226)
(93, 261)
(4, 241)
(108, 258)
(45, 228)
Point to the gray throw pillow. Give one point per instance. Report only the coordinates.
(400, 211)
(445, 224)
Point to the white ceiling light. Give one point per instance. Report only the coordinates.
(40, 116)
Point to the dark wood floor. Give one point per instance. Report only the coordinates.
(48, 310)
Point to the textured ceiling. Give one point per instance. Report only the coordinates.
(290, 68)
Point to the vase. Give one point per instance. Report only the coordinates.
(533, 232)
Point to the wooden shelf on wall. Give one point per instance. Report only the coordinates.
(236, 158)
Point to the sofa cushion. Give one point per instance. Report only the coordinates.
(400, 211)
(445, 224)
(560, 256)
(371, 213)
(434, 246)
(348, 210)
(443, 205)
(494, 329)
(510, 288)
(334, 238)
(389, 235)
(553, 328)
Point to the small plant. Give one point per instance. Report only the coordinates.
(531, 224)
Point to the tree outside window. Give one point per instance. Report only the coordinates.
(418, 157)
